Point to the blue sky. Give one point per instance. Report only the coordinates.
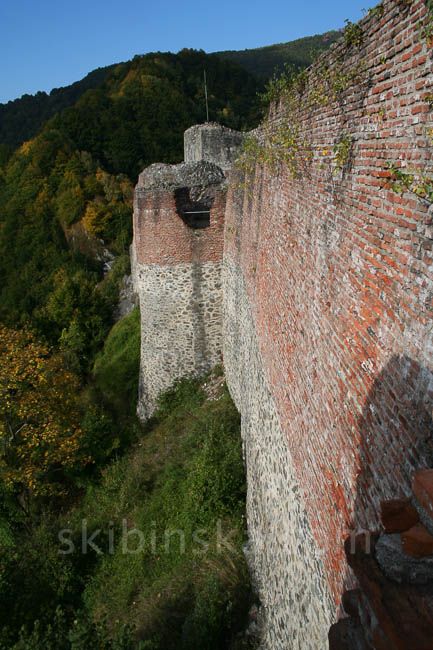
(50, 43)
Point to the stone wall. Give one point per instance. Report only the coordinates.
(336, 270)
(180, 325)
(177, 275)
(287, 568)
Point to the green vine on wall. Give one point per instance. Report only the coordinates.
(427, 29)
(378, 10)
(353, 34)
(414, 181)
(328, 83)
(299, 91)
(342, 150)
(280, 144)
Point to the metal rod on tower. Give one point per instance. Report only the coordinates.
(205, 94)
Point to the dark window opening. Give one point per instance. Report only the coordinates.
(196, 214)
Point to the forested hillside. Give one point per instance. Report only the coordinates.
(21, 118)
(69, 380)
(70, 187)
(264, 62)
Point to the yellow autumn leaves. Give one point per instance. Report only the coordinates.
(40, 433)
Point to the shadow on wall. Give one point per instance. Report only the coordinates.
(396, 433)
(396, 429)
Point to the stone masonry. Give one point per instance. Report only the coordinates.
(338, 272)
(214, 143)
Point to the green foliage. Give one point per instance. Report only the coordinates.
(81, 634)
(65, 196)
(416, 181)
(5, 153)
(290, 82)
(48, 283)
(40, 435)
(312, 89)
(342, 150)
(265, 62)
(22, 118)
(77, 315)
(427, 28)
(353, 34)
(199, 481)
(378, 10)
(279, 145)
(139, 114)
(285, 143)
(116, 367)
(185, 474)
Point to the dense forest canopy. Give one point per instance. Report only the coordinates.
(21, 118)
(264, 62)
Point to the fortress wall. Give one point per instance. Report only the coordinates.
(287, 568)
(327, 343)
(177, 275)
(161, 237)
(180, 325)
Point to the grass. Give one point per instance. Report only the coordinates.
(182, 484)
(117, 365)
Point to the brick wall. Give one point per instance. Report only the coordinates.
(161, 237)
(338, 273)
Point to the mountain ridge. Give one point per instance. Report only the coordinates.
(23, 117)
(267, 60)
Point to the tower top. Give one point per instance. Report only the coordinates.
(214, 143)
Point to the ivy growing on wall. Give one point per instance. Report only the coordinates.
(416, 182)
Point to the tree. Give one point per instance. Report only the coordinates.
(40, 433)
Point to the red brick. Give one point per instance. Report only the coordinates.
(310, 254)
(417, 542)
(398, 515)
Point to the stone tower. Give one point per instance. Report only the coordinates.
(177, 258)
(214, 143)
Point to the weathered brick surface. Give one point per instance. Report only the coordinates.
(160, 235)
(417, 541)
(338, 271)
(163, 238)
